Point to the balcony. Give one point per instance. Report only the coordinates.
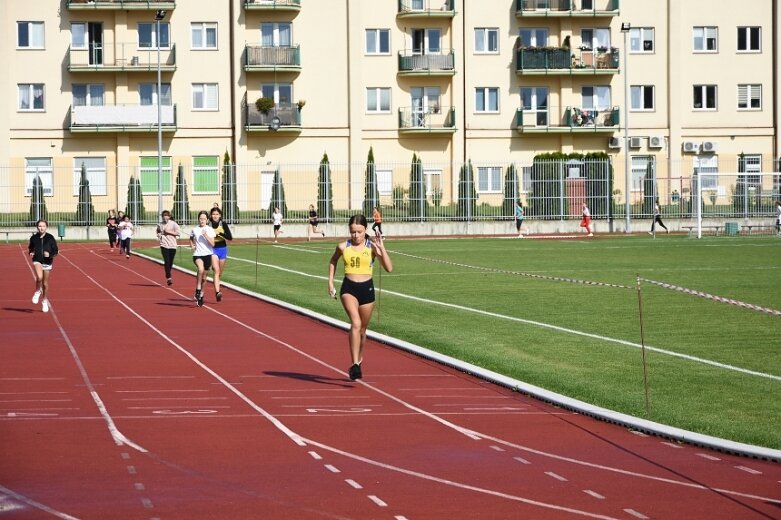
(272, 59)
(552, 120)
(121, 118)
(273, 5)
(412, 64)
(562, 8)
(439, 120)
(426, 8)
(108, 5)
(120, 57)
(256, 121)
(559, 61)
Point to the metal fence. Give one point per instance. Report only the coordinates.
(415, 191)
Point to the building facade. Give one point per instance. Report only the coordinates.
(685, 86)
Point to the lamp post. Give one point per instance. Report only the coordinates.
(625, 27)
(159, 15)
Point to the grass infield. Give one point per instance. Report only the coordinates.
(517, 307)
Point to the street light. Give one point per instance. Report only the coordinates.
(159, 15)
(625, 27)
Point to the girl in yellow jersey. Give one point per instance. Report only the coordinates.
(357, 292)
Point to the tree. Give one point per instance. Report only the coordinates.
(181, 210)
(135, 201)
(37, 202)
(277, 195)
(417, 190)
(649, 189)
(467, 193)
(85, 210)
(230, 203)
(325, 192)
(545, 197)
(511, 191)
(371, 198)
(599, 182)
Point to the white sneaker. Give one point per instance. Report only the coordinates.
(45, 306)
(650, 232)
(591, 234)
(36, 296)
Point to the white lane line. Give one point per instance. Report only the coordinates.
(147, 503)
(521, 460)
(672, 445)
(332, 468)
(156, 391)
(399, 517)
(708, 457)
(353, 483)
(377, 501)
(139, 486)
(131, 470)
(464, 397)
(315, 455)
(32, 503)
(36, 400)
(496, 448)
(748, 470)
(593, 494)
(638, 433)
(31, 393)
(215, 398)
(556, 476)
(634, 513)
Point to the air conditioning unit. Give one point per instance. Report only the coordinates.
(656, 141)
(614, 142)
(709, 146)
(635, 142)
(691, 147)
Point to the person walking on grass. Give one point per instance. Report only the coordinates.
(42, 248)
(167, 233)
(519, 215)
(223, 234)
(314, 222)
(357, 291)
(276, 219)
(202, 243)
(586, 220)
(657, 218)
(125, 235)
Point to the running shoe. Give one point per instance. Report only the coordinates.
(45, 305)
(355, 372)
(218, 296)
(36, 296)
(168, 281)
(197, 294)
(199, 300)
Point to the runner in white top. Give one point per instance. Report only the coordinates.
(202, 243)
(276, 218)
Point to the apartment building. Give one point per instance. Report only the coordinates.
(492, 82)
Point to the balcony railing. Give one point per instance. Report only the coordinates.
(559, 60)
(567, 8)
(122, 118)
(433, 119)
(567, 120)
(440, 8)
(258, 57)
(279, 5)
(121, 4)
(427, 64)
(120, 57)
(257, 121)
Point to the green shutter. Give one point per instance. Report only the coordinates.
(148, 175)
(206, 177)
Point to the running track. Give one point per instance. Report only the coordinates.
(127, 401)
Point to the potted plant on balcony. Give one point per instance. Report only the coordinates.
(264, 105)
(300, 104)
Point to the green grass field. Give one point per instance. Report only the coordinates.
(476, 299)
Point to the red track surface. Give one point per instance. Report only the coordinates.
(128, 401)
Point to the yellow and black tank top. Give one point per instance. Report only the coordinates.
(358, 261)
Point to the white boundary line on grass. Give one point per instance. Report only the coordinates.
(576, 405)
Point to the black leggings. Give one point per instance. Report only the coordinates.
(168, 259)
(377, 227)
(125, 244)
(112, 237)
(658, 219)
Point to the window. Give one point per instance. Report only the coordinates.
(752, 164)
(749, 96)
(96, 174)
(206, 174)
(377, 41)
(148, 94)
(40, 167)
(433, 180)
(642, 165)
(30, 96)
(705, 39)
(705, 97)
(489, 179)
(641, 39)
(487, 99)
(90, 94)
(706, 164)
(148, 37)
(486, 40)
(534, 37)
(281, 93)
(384, 182)
(378, 100)
(29, 35)
(749, 39)
(205, 96)
(148, 175)
(526, 179)
(203, 35)
(79, 33)
(596, 98)
(595, 38)
(276, 34)
(534, 103)
(642, 97)
(426, 41)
